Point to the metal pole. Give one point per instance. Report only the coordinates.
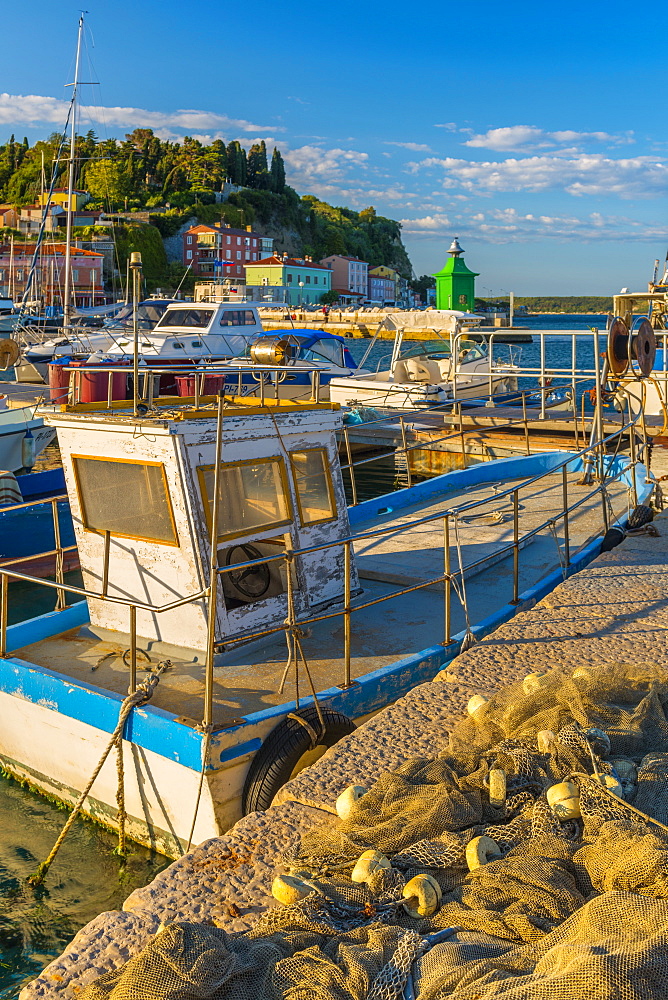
(133, 649)
(135, 264)
(346, 614)
(351, 467)
(526, 424)
(59, 553)
(105, 564)
(516, 549)
(4, 612)
(634, 488)
(567, 543)
(461, 431)
(606, 523)
(542, 376)
(213, 572)
(405, 451)
(446, 579)
(67, 289)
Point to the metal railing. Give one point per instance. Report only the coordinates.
(450, 579)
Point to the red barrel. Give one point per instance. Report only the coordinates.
(185, 385)
(59, 380)
(94, 386)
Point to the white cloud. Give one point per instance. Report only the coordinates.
(308, 163)
(528, 136)
(506, 225)
(33, 109)
(595, 175)
(449, 126)
(415, 147)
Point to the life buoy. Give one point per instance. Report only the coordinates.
(290, 747)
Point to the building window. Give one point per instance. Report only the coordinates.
(315, 279)
(190, 239)
(308, 279)
(238, 241)
(229, 239)
(289, 279)
(146, 511)
(254, 243)
(238, 254)
(93, 276)
(228, 254)
(75, 275)
(189, 255)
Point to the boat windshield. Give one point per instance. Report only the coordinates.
(324, 350)
(148, 315)
(192, 318)
(436, 349)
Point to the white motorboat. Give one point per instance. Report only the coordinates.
(427, 374)
(80, 341)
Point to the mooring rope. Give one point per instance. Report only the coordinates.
(143, 694)
(469, 639)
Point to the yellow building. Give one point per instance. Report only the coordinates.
(60, 197)
(383, 271)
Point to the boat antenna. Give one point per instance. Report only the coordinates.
(67, 290)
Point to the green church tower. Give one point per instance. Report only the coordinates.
(455, 284)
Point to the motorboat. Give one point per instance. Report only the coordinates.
(82, 339)
(232, 544)
(427, 374)
(203, 334)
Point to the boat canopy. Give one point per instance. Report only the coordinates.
(429, 319)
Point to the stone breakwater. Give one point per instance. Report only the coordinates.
(614, 611)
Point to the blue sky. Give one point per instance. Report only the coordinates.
(532, 132)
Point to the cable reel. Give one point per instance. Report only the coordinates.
(624, 346)
(272, 350)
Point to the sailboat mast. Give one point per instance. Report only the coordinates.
(67, 290)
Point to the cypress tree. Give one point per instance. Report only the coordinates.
(277, 173)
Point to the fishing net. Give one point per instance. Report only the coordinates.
(568, 906)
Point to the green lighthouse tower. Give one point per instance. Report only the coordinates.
(455, 284)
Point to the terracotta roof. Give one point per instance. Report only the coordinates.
(222, 231)
(275, 261)
(342, 256)
(51, 249)
(347, 291)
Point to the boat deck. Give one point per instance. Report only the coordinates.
(381, 634)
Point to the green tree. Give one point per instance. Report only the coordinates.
(108, 181)
(277, 173)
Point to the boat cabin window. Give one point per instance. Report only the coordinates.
(254, 583)
(324, 350)
(238, 317)
(190, 318)
(315, 494)
(253, 496)
(126, 498)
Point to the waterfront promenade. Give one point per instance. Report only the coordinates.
(613, 611)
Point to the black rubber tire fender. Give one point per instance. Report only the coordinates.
(273, 764)
(640, 516)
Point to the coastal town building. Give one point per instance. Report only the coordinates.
(60, 197)
(48, 280)
(304, 281)
(9, 216)
(350, 277)
(383, 281)
(30, 218)
(221, 251)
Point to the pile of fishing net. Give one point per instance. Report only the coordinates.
(528, 860)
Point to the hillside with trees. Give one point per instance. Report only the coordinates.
(180, 182)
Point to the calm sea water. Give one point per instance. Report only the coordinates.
(87, 878)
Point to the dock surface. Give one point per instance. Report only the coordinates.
(613, 611)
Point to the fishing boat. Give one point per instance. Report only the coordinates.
(252, 615)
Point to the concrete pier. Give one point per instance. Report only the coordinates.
(615, 610)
